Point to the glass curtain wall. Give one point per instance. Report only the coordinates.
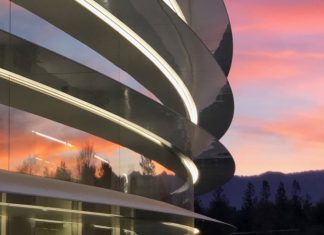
(36, 145)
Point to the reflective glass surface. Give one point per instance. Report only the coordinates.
(176, 48)
(30, 215)
(66, 114)
(43, 147)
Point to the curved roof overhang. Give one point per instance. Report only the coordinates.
(48, 188)
(167, 138)
(182, 57)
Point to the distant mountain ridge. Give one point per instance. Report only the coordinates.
(311, 183)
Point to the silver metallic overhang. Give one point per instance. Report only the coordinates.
(62, 74)
(56, 189)
(167, 34)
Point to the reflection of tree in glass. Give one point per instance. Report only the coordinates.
(105, 175)
(85, 165)
(63, 173)
(148, 166)
(29, 166)
(46, 172)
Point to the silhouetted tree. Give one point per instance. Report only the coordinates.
(281, 197)
(198, 206)
(265, 192)
(148, 166)
(296, 205)
(281, 205)
(63, 173)
(264, 214)
(249, 198)
(248, 208)
(319, 215)
(219, 207)
(200, 224)
(85, 165)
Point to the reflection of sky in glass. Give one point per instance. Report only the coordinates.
(32, 28)
(24, 143)
(4, 15)
(49, 152)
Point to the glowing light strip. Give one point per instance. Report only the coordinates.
(147, 50)
(190, 165)
(173, 4)
(101, 159)
(111, 228)
(42, 160)
(45, 208)
(184, 227)
(126, 183)
(59, 95)
(65, 143)
(50, 221)
(52, 138)
(103, 227)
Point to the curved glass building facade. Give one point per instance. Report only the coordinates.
(111, 113)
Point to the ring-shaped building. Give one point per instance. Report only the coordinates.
(111, 113)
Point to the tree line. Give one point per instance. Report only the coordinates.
(294, 214)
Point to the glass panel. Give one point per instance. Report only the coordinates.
(4, 14)
(4, 128)
(83, 150)
(46, 148)
(4, 95)
(31, 27)
(24, 216)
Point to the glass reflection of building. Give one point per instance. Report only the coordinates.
(111, 114)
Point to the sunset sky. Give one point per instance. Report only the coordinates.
(277, 78)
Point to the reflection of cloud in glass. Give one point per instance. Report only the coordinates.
(48, 149)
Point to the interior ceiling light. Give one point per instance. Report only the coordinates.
(147, 50)
(184, 227)
(173, 4)
(42, 160)
(53, 139)
(59, 95)
(66, 144)
(50, 221)
(103, 227)
(101, 159)
(114, 228)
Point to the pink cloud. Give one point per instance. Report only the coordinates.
(292, 144)
(277, 16)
